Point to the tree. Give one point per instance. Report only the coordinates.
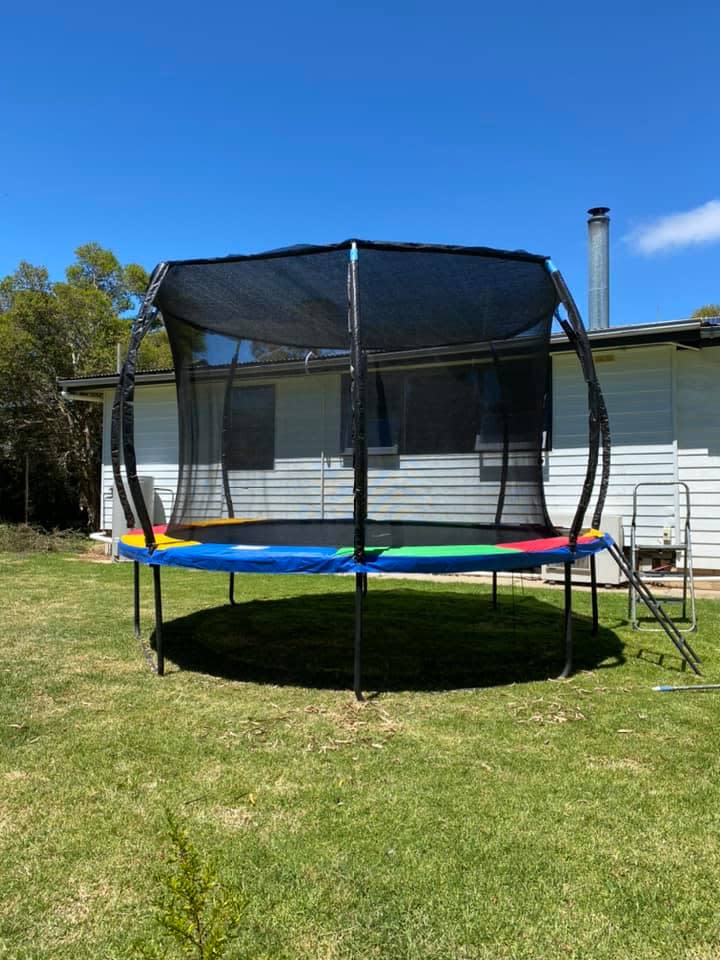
(60, 330)
(155, 353)
(26, 277)
(99, 269)
(711, 311)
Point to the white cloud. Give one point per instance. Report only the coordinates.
(689, 228)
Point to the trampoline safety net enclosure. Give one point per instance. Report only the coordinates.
(454, 345)
(359, 407)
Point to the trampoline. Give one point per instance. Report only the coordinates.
(361, 408)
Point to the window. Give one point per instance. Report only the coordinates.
(429, 396)
(383, 411)
(407, 411)
(453, 409)
(250, 442)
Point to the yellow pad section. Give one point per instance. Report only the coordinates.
(593, 533)
(161, 539)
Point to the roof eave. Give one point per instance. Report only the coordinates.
(681, 332)
(684, 333)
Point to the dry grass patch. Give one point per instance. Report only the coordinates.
(545, 711)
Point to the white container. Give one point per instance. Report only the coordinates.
(608, 572)
(119, 524)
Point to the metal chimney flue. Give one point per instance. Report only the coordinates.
(599, 268)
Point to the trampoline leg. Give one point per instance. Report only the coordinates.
(359, 593)
(494, 590)
(365, 584)
(594, 595)
(231, 590)
(136, 598)
(567, 669)
(158, 622)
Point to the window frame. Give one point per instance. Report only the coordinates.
(233, 461)
(400, 444)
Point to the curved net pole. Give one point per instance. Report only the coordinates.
(116, 449)
(123, 420)
(605, 475)
(598, 424)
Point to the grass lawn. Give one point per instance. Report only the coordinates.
(471, 809)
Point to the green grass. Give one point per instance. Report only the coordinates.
(472, 808)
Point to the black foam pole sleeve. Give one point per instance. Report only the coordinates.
(126, 413)
(116, 450)
(226, 431)
(597, 412)
(358, 367)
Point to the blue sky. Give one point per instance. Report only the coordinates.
(173, 130)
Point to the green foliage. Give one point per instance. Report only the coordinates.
(26, 277)
(155, 353)
(62, 330)
(709, 311)
(194, 913)
(99, 269)
(136, 279)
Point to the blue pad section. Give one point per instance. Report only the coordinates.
(229, 558)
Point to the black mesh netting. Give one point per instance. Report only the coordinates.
(456, 396)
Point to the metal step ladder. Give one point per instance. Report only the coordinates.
(670, 544)
(665, 623)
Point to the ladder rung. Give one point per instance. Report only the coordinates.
(661, 546)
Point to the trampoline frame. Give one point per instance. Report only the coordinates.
(122, 446)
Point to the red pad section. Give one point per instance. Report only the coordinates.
(540, 546)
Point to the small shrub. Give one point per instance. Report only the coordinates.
(195, 915)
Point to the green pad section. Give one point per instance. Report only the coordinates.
(467, 550)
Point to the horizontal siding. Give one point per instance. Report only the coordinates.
(156, 447)
(637, 386)
(311, 477)
(698, 428)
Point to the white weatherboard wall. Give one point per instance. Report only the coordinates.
(662, 403)
(312, 476)
(698, 433)
(638, 391)
(156, 446)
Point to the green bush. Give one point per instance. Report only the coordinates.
(194, 913)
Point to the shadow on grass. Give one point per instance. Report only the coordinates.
(413, 640)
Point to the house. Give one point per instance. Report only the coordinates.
(661, 383)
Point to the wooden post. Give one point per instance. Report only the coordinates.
(27, 488)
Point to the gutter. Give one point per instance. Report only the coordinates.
(84, 397)
(689, 332)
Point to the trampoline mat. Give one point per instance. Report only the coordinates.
(238, 546)
(339, 533)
